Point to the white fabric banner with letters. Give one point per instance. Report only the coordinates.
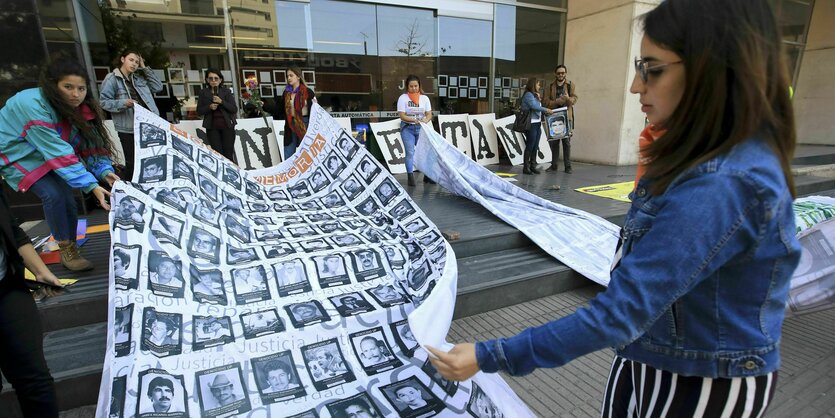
(514, 142)
(455, 129)
(300, 290)
(483, 138)
(391, 145)
(256, 146)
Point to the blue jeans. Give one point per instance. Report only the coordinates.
(295, 141)
(532, 137)
(59, 207)
(410, 134)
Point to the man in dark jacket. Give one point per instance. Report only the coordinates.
(561, 93)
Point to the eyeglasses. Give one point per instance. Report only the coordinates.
(561, 73)
(212, 78)
(643, 68)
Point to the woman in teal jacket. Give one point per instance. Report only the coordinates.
(52, 140)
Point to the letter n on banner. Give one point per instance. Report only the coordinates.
(484, 140)
(455, 129)
(256, 146)
(513, 142)
(391, 144)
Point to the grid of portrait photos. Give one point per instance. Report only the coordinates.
(229, 296)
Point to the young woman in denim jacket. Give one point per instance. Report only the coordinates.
(130, 83)
(532, 102)
(695, 303)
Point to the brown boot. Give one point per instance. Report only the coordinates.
(71, 258)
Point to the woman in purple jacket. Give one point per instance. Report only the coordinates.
(697, 295)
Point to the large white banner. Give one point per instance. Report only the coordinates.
(256, 145)
(484, 139)
(514, 142)
(583, 241)
(300, 290)
(390, 141)
(455, 129)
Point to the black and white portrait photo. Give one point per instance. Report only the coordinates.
(318, 244)
(416, 226)
(299, 190)
(151, 136)
(232, 202)
(412, 398)
(371, 234)
(161, 394)
(329, 227)
(277, 378)
(318, 180)
(277, 193)
(236, 228)
(129, 214)
(253, 189)
(403, 337)
(207, 161)
(221, 391)
(310, 413)
(481, 406)
(306, 313)
(203, 244)
(260, 323)
(232, 177)
(153, 169)
(262, 220)
(183, 146)
(368, 169)
(250, 285)
(166, 228)
(291, 276)
(211, 331)
(171, 199)
(358, 406)
(419, 298)
(347, 146)
(182, 170)
(326, 364)
(448, 386)
(367, 264)
(394, 257)
(355, 223)
(207, 286)
(350, 304)
(301, 230)
(373, 351)
(367, 206)
(402, 210)
(279, 250)
(258, 206)
(381, 219)
(205, 212)
(387, 295)
(284, 208)
(117, 397)
(332, 200)
(207, 186)
(166, 275)
(430, 238)
(309, 205)
(240, 255)
(386, 191)
(319, 217)
(123, 329)
(414, 250)
(334, 165)
(162, 332)
(352, 187)
(331, 270)
(418, 275)
(126, 262)
(345, 240)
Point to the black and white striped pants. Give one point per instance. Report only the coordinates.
(637, 390)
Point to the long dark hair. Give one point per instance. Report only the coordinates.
(531, 85)
(410, 78)
(92, 132)
(297, 71)
(737, 84)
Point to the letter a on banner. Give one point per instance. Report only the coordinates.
(512, 141)
(484, 139)
(391, 144)
(456, 131)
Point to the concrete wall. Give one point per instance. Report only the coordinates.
(601, 42)
(814, 98)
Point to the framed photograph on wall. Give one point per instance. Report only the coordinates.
(162, 94)
(178, 90)
(176, 75)
(482, 82)
(514, 94)
(248, 74)
(101, 72)
(506, 82)
(482, 93)
(265, 77)
(227, 75)
(160, 74)
(266, 90)
(506, 93)
(194, 76)
(194, 89)
(473, 92)
(453, 92)
(473, 81)
(442, 80)
(463, 81)
(514, 83)
(453, 81)
(442, 91)
(524, 82)
(279, 76)
(309, 77)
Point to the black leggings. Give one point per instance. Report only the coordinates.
(21, 351)
(223, 141)
(127, 150)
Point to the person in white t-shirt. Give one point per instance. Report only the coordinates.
(414, 108)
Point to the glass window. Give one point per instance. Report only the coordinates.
(293, 20)
(343, 28)
(464, 65)
(204, 34)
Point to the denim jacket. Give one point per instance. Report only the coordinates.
(532, 104)
(114, 93)
(701, 286)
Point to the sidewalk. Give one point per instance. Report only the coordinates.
(806, 385)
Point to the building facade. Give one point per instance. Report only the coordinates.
(473, 56)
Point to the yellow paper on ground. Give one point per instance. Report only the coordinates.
(505, 174)
(98, 228)
(616, 191)
(28, 275)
